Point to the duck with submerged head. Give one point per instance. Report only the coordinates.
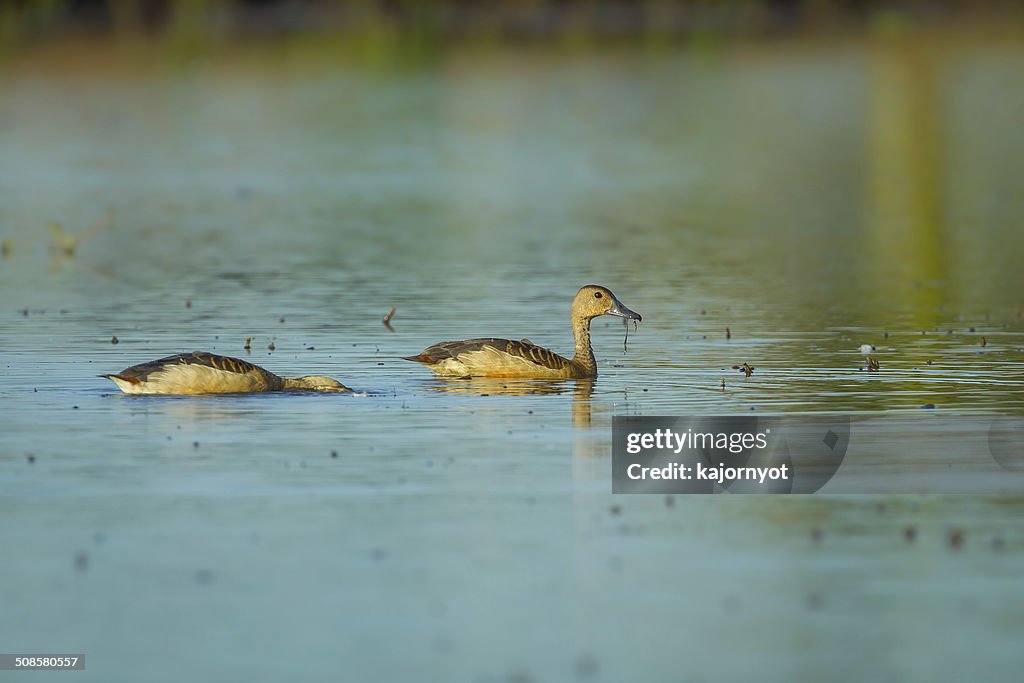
(200, 372)
(508, 358)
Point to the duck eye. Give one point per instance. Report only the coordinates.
(597, 295)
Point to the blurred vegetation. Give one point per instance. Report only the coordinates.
(424, 26)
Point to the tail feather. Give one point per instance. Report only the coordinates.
(130, 380)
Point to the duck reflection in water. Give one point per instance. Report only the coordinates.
(582, 391)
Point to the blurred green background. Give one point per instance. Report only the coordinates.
(422, 28)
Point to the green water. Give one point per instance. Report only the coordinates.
(809, 198)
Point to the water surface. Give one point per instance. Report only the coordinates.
(808, 198)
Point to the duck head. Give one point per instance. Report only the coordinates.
(315, 383)
(594, 300)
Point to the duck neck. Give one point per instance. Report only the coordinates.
(583, 358)
(312, 383)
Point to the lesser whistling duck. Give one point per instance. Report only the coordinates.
(200, 372)
(509, 358)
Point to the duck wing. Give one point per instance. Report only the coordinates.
(524, 349)
(139, 373)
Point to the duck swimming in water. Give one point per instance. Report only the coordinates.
(200, 372)
(508, 358)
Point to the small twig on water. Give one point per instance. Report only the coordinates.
(747, 369)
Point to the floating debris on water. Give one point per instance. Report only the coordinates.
(248, 344)
(271, 346)
(873, 364)
(956, 538)
(983, 342)
(586, 666)
(723, 384)
(334, 454)
(387, 319)
(81, 560)
(63, 243)
(728, 333)
(6, 247)
(747, 369)
(885, 335)
(204, 577)
(732, 604)
(114, 340)
(909, 534)
(188, 303)
(816, 535)
(928, 406)
(31, 458)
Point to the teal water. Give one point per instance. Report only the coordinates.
(799, 196)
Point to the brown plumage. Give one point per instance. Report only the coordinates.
(490, 357)
(200, 372)
(523, 348)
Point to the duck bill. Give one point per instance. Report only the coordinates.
(619, 309)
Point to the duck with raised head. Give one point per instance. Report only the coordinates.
(200, 372)
(508, 358)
